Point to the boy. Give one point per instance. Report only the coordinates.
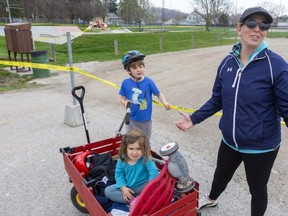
(138, 89)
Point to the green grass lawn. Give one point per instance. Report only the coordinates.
(100, 47)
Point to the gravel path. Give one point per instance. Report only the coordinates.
(33, 180)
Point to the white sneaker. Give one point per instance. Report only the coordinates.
(206, 202)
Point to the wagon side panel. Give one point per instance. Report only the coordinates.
(187, 205)
(94, 208)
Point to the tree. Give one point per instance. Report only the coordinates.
(211, 10)
(223, 19)
(124, 8)
(100, 8)
(84, 9)
(112, 6)
(51, 9)
(16, 8)
(142, 12)
(134, 11)
(276, 10)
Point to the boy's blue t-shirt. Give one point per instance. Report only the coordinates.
(140, 93)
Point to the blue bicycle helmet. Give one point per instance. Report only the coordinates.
(131, 56)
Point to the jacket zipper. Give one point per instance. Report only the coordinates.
(238, 74)
(236, 84)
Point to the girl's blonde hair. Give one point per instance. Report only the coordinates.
(134, 135)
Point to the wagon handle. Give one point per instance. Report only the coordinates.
(80, 100)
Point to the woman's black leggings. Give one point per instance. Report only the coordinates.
(257, 167)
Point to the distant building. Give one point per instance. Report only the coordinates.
(282, 21)
(112, 19)
(171, 22)
(185, 22)
(192, 19)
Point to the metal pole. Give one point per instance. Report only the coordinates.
(8, 8)
(163, 14)
(71, 64)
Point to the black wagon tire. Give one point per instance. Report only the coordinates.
(77, 201)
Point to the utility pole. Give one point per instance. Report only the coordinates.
(69, 47)
(8, 10)
(163, 13)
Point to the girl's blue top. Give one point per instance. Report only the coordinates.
(135, 175)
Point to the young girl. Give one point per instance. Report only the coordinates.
(134, 168)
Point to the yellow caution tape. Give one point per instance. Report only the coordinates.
(94, 77)
(35, 65)
(63, 68)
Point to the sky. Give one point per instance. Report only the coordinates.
(185, 5)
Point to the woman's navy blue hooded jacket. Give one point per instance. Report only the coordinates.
(252, 100)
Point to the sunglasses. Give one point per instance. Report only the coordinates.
(251, 23)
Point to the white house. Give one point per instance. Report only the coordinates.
(282, 21)
(195, 19)
(112, 18)
(185, 22)
(171, 22)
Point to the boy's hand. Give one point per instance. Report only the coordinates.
(167, 106)
(127, 193)
(126, 102)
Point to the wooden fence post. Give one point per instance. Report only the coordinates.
(161, 43)
(52, 48)
(193, 41)
(116, 47)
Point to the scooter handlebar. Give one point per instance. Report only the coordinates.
(128, 110)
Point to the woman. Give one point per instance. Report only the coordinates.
(251, 90)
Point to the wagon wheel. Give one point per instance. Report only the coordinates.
(77, 201)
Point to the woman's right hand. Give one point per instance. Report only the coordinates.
(127, 193)
(184, 124)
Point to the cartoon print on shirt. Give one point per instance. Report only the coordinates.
(135, 95)
(136, 100)
(143, 105)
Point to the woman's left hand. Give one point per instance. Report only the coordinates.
(184, 124)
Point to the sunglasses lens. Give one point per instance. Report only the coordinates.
(252, 24)
(264, 26)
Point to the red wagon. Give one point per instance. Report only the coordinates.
(83, 196)
(158, 198)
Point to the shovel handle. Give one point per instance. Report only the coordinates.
(81, 97)
(80, 100)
